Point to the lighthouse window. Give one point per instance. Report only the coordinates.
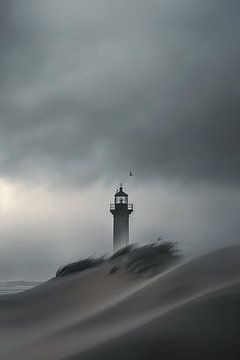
(121, 200)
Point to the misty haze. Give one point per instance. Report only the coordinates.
(119, 179)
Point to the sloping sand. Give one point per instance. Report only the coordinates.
(190, 312)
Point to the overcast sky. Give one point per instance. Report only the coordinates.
(93, 88)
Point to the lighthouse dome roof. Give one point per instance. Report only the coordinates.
(120, 192)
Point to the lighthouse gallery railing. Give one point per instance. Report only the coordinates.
(113, 206)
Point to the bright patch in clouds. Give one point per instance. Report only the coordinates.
(8, 196)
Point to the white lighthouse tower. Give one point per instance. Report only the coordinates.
(121, 210)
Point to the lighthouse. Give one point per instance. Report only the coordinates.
(120, 210)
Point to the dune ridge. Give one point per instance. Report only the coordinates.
(93, 313)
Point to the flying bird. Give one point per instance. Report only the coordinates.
(130, 173)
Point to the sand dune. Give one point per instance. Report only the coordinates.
(191, 311)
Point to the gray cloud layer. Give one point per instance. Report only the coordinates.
(92, 88)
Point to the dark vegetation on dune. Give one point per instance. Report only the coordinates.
(79, 265)
(147, 259)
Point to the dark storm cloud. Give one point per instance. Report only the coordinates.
(90, 89)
